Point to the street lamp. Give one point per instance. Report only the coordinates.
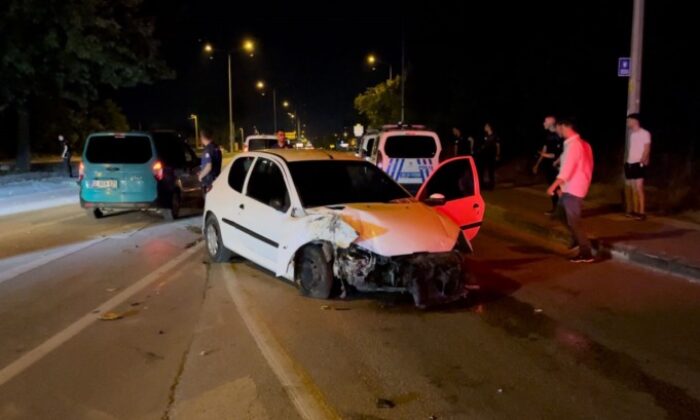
(249, 47)
(285, 104)
(196, 129)
(373, 61)
(260, 85)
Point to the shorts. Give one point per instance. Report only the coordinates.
(635, 171)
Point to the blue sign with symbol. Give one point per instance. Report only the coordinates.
(623, 67)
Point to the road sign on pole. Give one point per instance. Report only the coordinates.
(623, 67)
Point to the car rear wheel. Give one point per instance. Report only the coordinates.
(173, 212)
(95, 213)
(215, 247)
(313, 273)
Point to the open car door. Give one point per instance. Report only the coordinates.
(453, 189)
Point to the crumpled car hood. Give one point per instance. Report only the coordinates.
(392, 229)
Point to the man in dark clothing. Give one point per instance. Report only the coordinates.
(66, 153)
(488, 157)
(461, 146)
(211, 161)
(549, 157)
(282, 142)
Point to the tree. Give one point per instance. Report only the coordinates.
(381, 104)
(70, 50)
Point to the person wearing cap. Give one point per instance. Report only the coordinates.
(636, 163)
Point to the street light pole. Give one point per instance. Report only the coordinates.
(231, 127)
(403, 72)
(196, 129)
(634, 90)
(274, 108)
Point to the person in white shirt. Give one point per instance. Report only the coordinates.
(574, 179)
(636, 162)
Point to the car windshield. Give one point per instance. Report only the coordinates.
(325, 183)
(118, 149)
(410, 147)
(259, 144)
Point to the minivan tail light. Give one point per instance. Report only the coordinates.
(158, 170)
(81, 172)
(245, 148)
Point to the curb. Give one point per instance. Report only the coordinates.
(617, 251)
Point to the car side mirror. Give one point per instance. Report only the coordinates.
(435, 199)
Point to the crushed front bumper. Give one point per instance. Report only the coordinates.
(431, 278)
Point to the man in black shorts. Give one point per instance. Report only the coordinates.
(636, 162)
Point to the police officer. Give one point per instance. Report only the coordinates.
(66, 153)
(211, 161)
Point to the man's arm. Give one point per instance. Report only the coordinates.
(205, 171)
(646, 153)
(555, 185)
(542, 153)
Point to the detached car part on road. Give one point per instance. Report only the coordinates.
(314, 217)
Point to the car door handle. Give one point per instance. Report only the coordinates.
(475, 206)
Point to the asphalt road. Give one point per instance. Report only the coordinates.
(542, 339)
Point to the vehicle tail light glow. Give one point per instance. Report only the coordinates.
(81, 172)
(245, 148)
(158, 170)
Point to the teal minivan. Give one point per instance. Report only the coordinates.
(138, 170)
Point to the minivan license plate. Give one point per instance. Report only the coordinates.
(104, 183)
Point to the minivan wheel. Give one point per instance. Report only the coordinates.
(173, 212)
(313, 273)
(95, 213)
(212, 238)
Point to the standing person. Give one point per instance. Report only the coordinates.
(551, 150)
(211, 161)
(461, 146)
(636, 162)
(489, 156)
(282, 142)
(574, 179)
(66, 153)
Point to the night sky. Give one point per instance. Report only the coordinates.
(467, 63)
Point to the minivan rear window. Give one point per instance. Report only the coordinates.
(410, 147)
(259, 144)
(113, 149)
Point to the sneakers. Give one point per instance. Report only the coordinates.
(640, 217)
(581, 258)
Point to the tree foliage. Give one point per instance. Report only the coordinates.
(381, 104)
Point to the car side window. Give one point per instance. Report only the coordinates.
(267, 185)
(454, 180)
(238, 172)
(191, 159)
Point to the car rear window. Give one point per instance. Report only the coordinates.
(113, 149)
(259, 144)
(170, 148)
(410, 147)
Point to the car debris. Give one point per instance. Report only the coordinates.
(385, 403)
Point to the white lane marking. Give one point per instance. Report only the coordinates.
(39, 205)
(36, 354)
(32, 227)
(46, 258)
(309, 404)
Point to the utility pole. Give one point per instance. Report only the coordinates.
(634, 91)
(231, 127)
(403, 71)
(274, 109)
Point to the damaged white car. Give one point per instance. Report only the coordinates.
(324, 219)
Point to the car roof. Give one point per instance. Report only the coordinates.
(300, 155)
(262, 136)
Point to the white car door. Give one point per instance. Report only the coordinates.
(264, 213)
(230, 206)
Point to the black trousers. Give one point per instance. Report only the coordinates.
(69, 168)
(551, 175)
(487, 172)
(570, 207)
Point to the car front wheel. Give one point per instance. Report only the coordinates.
(313, 273)
(215, 247)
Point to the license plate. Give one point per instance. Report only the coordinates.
(104, 183)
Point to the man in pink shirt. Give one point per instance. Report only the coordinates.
(574, 179)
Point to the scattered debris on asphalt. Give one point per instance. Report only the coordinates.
(333, 308)
(384, 403)
(500, 390)
(113, 315)
(111, 289)
(161, 332)
(195, 229)
(538, 311)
